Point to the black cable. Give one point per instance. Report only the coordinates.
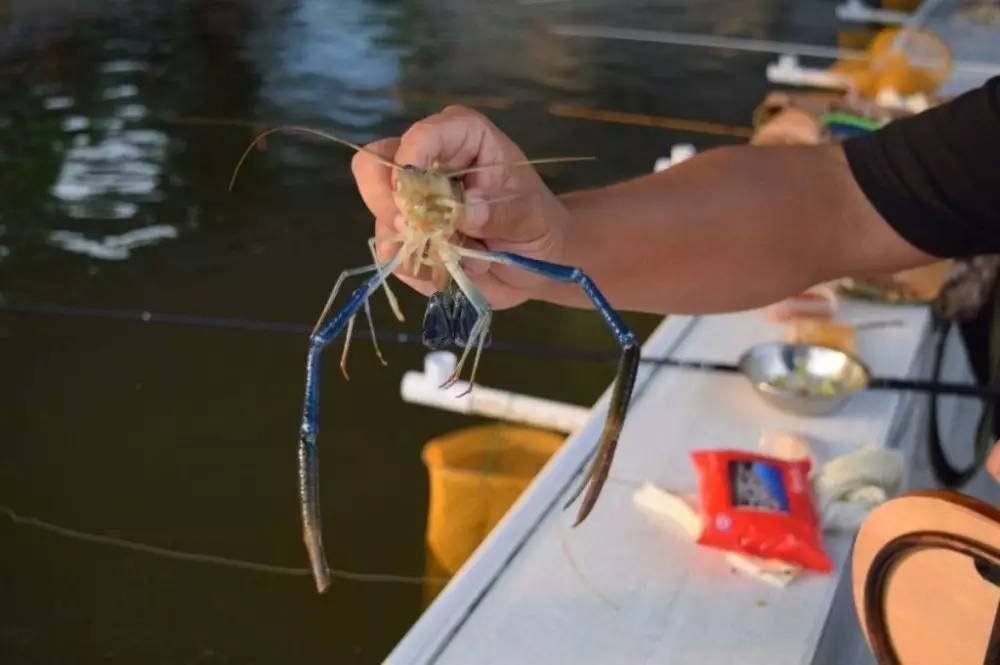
(948, 474)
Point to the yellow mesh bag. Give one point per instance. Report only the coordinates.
(909, 61)
(475, 475)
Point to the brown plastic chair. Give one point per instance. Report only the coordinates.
(926, 576)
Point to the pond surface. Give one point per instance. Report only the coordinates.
(119, 128)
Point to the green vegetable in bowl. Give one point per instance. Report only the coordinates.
(804, 384)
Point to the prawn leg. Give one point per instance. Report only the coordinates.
(628, 365)
(351, 272)
(371, 331)
(393, 303)
(480, 329)
(347, 341)
(347, 346)
(308, 451)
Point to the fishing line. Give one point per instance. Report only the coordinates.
(558, 110)
(251, 325)
(180, 555)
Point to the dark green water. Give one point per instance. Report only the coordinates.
(184, 437)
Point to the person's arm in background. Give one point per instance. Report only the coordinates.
(731, 228)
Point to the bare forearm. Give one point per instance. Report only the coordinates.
(730, 229)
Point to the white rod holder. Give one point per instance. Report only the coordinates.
(425, 388)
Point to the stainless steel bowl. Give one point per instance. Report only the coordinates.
(802, 378)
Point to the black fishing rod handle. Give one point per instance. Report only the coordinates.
(936, 387)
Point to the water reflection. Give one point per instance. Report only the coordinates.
(342, 48)
(112, 247)
(114, 163)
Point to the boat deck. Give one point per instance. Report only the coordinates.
(628, 587)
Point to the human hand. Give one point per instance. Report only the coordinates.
(507, 208)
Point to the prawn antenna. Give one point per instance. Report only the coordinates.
(305, 130)
(523, 162)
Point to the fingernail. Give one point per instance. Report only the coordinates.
(399, 223)
(477, 211)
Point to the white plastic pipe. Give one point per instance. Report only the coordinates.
(859, 12)
(424, 388)
(678, 153)
(788, 71)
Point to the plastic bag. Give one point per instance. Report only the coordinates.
(759, 505)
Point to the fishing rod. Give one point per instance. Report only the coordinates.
(252, 325)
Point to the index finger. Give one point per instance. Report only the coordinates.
(456, 137)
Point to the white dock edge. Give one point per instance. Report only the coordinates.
(624, 588)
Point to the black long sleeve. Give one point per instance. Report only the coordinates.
(935, 177)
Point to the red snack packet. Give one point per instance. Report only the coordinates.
(759, 505)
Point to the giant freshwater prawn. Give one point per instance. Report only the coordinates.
(431, 202)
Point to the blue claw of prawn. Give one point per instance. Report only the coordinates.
(312, 534)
